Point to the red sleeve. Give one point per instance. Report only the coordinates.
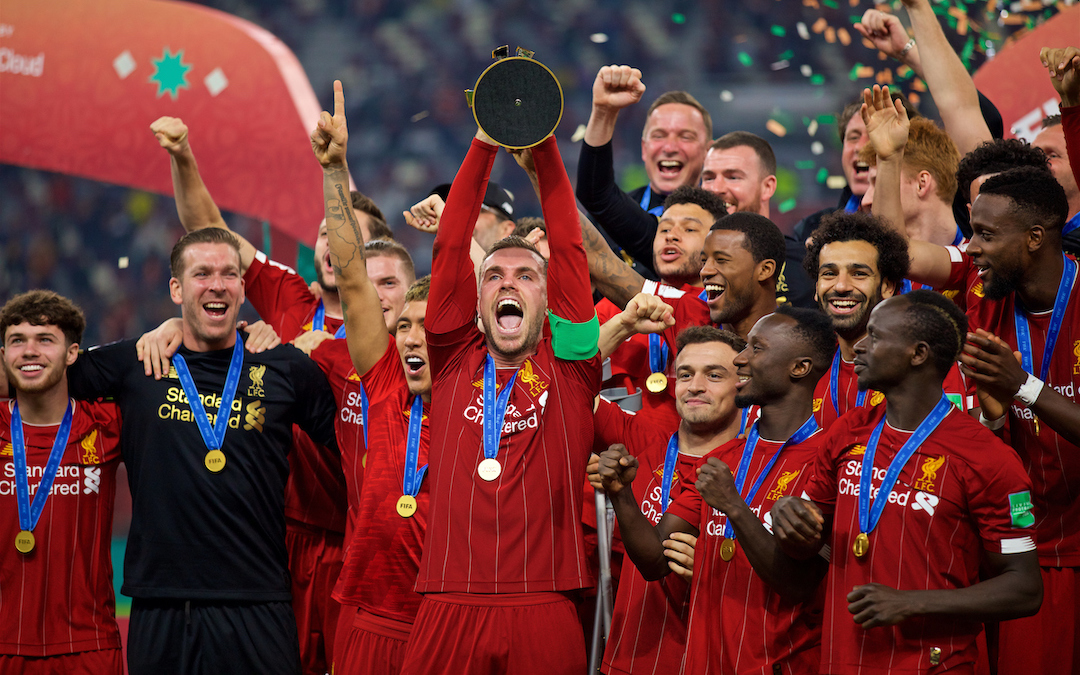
(612, 424)
(687, 505)
(452, 299)
(273, 289)
(998, 492)
(569, 295)
(689, 310)
(820, 487)
(332, 356)
(959, 274)
(106, 417)
(1070, 124)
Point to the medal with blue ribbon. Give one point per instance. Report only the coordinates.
(870, 514)
(671, 458)
(213, 437)
(494, 414)
(410, 483)
(808, 428)
(1057, 317)
(646, 198)
(658, 358)
(30, 512)
(834, 385)
(318, 322)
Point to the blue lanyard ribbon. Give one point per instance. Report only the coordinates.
(1023, 333)
(318, 322)
(363, 410)
(808, 428)
(834, 384)
(1071, 224)
(906, 287)
(494, 409)
(410, 484)
(742, 421)
(214, 437)
(646, 199)
(869, 515)
(30, 512)
(671, 458)
(658, 353)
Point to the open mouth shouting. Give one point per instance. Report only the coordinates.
(414, 364)
(216, 310)
(843, 305)
(669, 168)
(509, 316)
(713, 292)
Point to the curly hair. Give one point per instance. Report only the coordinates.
(1037, 198)
(43, 308)
(996, 156)
(892, 248)
(689, 194)
(760, 236)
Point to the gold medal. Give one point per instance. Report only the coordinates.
(727, 550)
(24, 541)
(656, 383)
(406, 506)
(862, 545)
(215, 461)
(489, 469)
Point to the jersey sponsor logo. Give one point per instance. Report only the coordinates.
(256, 375)
(530, 378)
(91, 479)
(1020, 508)
(1076, 353)
(977, 290)
(176, 407)
(782, 484)
(255, 417)
(68, 479)
(817, 405)
(929, 473)
(925, 501)
(89, 446)
(350, 413)
(876, 398)
(516, 419)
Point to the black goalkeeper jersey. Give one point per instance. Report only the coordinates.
(196, 534)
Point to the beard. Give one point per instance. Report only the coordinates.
(1001, 284)
(853, 324)
(736, 306)
(321, 280)
(532, 338)
(53, 375)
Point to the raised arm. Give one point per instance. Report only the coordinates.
(194, 204)
(887, 127)
(644, 543)
(360, 303)
(643, 314)
(453, 295)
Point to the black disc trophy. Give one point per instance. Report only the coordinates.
(517, 101)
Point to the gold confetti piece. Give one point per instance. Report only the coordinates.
(914, 98)
(740, 38)
(812, 4)
(812, 127)
(918, 85)
(830, 35)
(902, 71)
(884, 8)
(962, 25)
(854, 3)
(885, 77)
(579, 133)
(865, 71)
(776, 128)
(845, 37)
(956, 12)
(866, 43)
(881, 56)
(836, 182)
(123, 263)
(820, 25)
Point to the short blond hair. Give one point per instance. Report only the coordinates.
(928, 149)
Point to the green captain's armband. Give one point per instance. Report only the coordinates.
(574, 341)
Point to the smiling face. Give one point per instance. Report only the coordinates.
(883, 357)
(705, 385)
(387, 274)
(513, 302)
(36, 357)
(673, 146)
(764, 367)
(1051, 141)
(728, 273)
(998, 245)
(855, 170)
(849, 285)
(412, 346)
(736, 175)
(210, 292)
(679, 241)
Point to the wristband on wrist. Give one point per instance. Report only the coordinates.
(908, 47)
(992, 425)
(1029, 391)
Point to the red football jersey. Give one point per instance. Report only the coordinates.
(315, 491)
(690, 310)
(521, 532)
(648, 624)
(738, 624)
(58, 599)
(384, 555)
(1052, 462)
(962, 491)
(956, 386)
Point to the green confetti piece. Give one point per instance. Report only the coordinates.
(855, 18)
(853, 74)
(966, 52)
(788, 204)
(830, 3)
(822, 175)
(786, 56)
(817, 79)
(678, 17)
(806, 121)
(826, 119)
(745, 59)
(778, 31)
(805, 164)
(951, 20)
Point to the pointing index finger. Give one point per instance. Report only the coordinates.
(339, 99)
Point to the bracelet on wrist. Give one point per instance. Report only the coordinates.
(1029, 391)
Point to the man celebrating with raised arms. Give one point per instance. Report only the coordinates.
(911, 496)
(509, 445)
(738, 622)
(56, 594)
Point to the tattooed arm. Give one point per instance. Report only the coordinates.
(359, 300)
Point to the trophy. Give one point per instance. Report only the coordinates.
(517, 101)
